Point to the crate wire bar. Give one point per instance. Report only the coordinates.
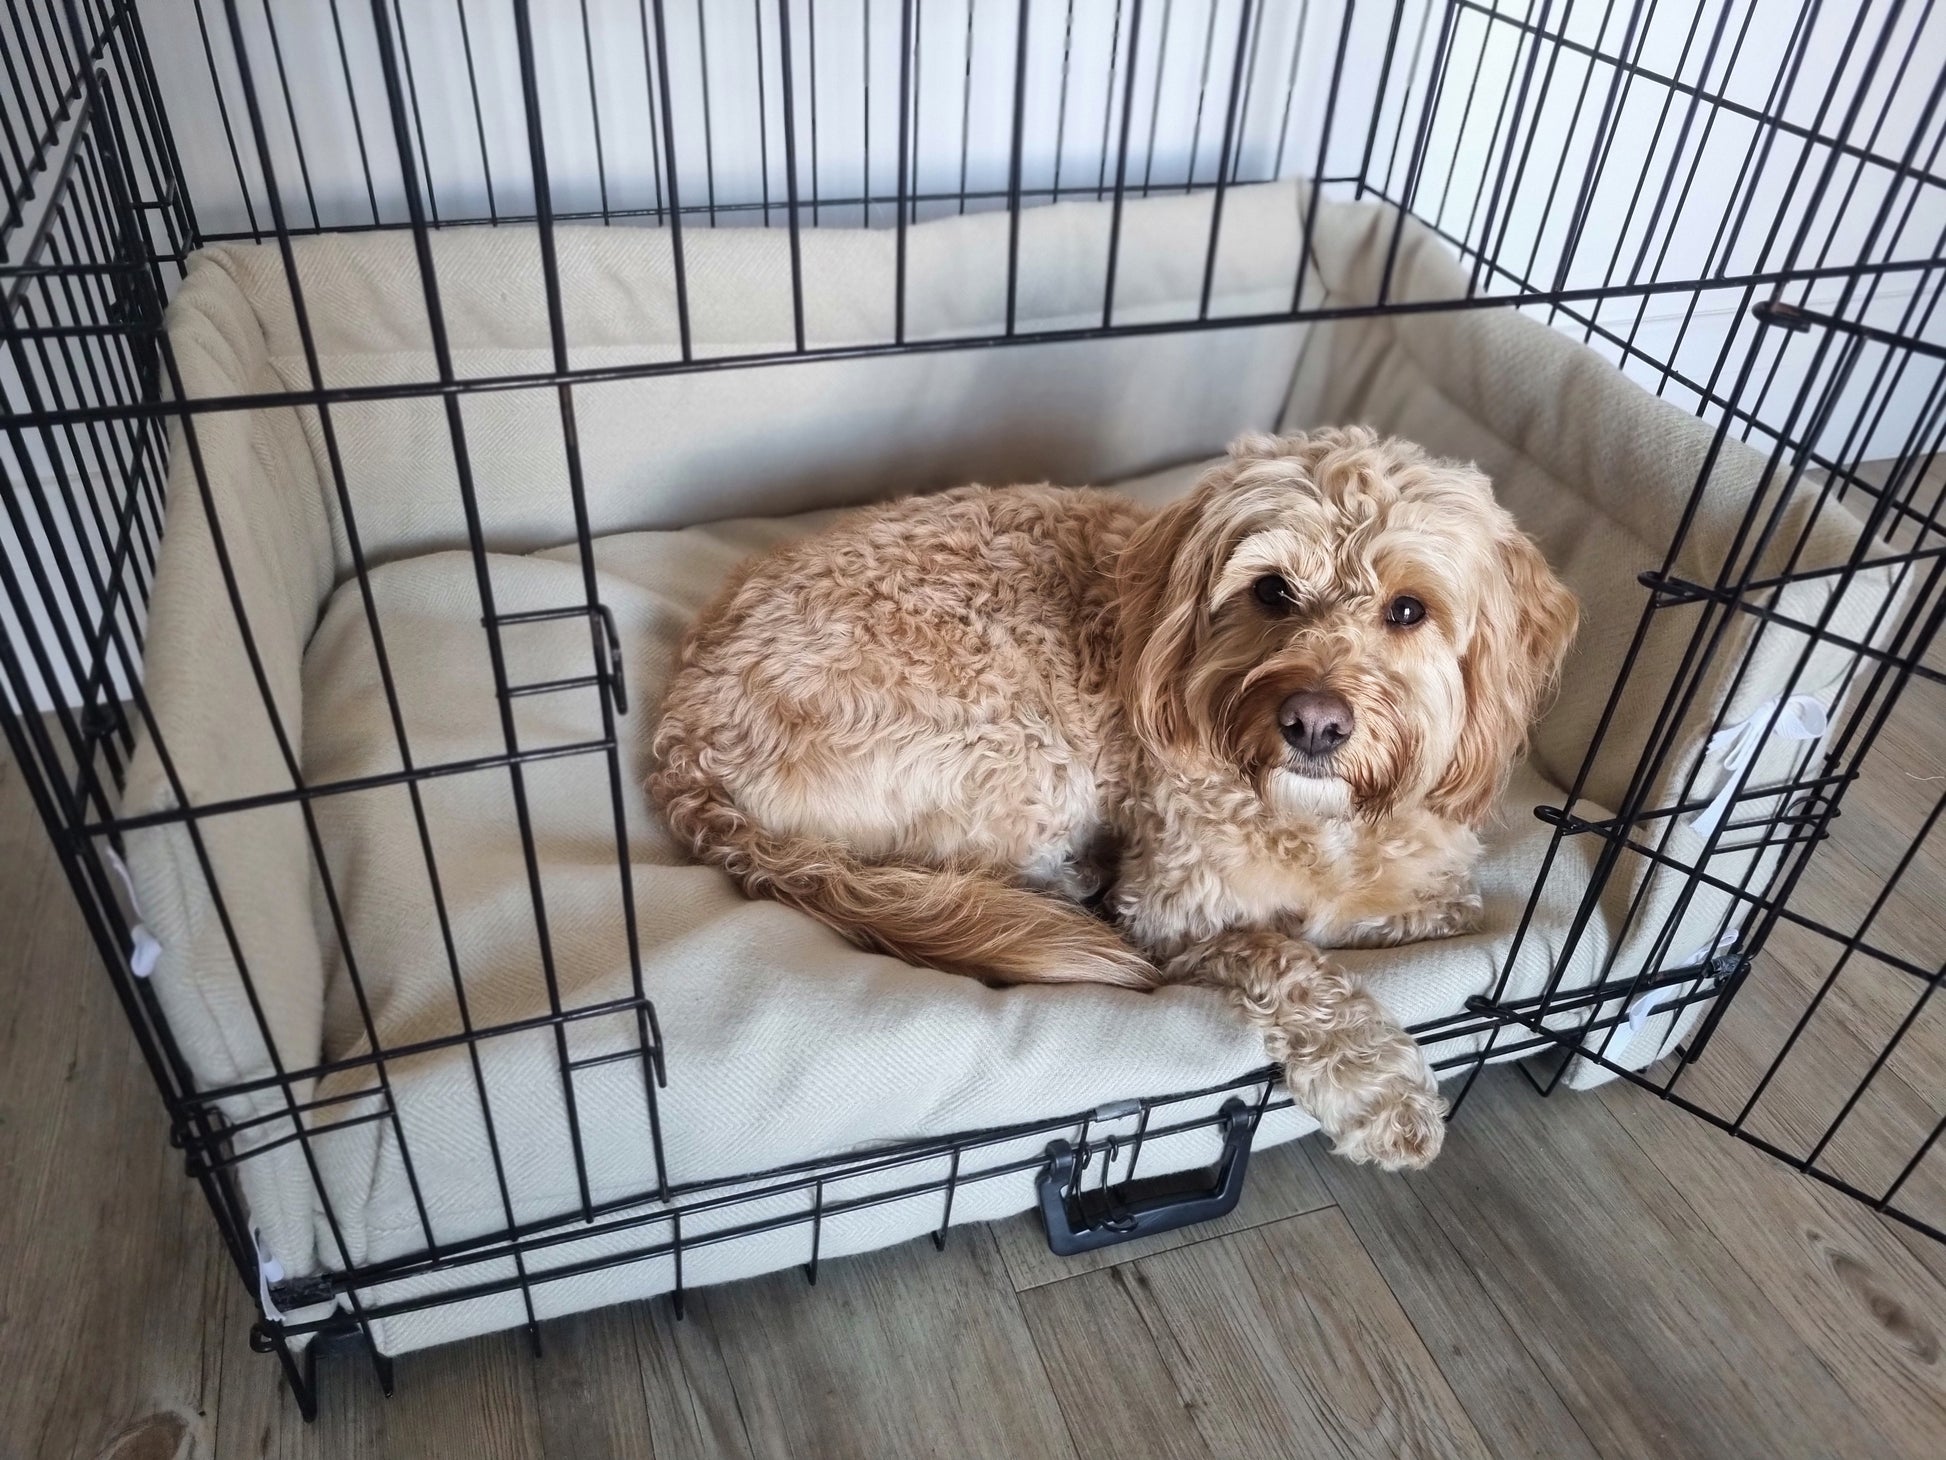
(1737, 203)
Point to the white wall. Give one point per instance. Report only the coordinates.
(844, 58)
(598, 77)
(1672, 172)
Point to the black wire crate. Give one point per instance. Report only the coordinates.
(379, 378)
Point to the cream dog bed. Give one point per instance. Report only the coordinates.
(784, 1046)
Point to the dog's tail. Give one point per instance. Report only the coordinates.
(956, 918)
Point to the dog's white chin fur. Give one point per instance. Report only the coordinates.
(1313, 798)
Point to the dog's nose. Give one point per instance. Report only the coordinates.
(1315, 721)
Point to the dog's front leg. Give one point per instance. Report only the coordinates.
(1433, 917)
(1345, 1059)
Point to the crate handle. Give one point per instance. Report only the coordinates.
(1080, 1221)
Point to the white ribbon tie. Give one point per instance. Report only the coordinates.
(1802, 717)
(144, 951)
(1645, 1004)
(269, 1270)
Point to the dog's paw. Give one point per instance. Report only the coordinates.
(1082, 875)
(1450, 919)
(1080, 879)
(1401, 1128)
(1447, 919)
(1468, 912)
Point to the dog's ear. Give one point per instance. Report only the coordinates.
(1160, 582)
(1527, 620)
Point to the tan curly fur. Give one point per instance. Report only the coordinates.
(938, 723)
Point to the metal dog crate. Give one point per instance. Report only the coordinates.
(1737, 202)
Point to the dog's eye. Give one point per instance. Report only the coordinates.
(1273, 592)
(1404, 611)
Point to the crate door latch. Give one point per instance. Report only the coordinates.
(1080, 1221)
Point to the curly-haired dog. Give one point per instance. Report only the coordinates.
(1284, 703)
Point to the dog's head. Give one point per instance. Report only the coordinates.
(1347, 622)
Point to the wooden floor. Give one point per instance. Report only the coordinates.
(1579, 1276)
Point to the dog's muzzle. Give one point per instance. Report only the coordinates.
(1315, 722)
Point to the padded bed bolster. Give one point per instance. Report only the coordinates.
(674, 450)
(246, 564)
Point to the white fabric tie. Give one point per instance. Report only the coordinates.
(144, 950)
(1801, 718)
(269, 1270)
(1644, 1005)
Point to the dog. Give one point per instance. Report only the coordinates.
(1276, 713)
